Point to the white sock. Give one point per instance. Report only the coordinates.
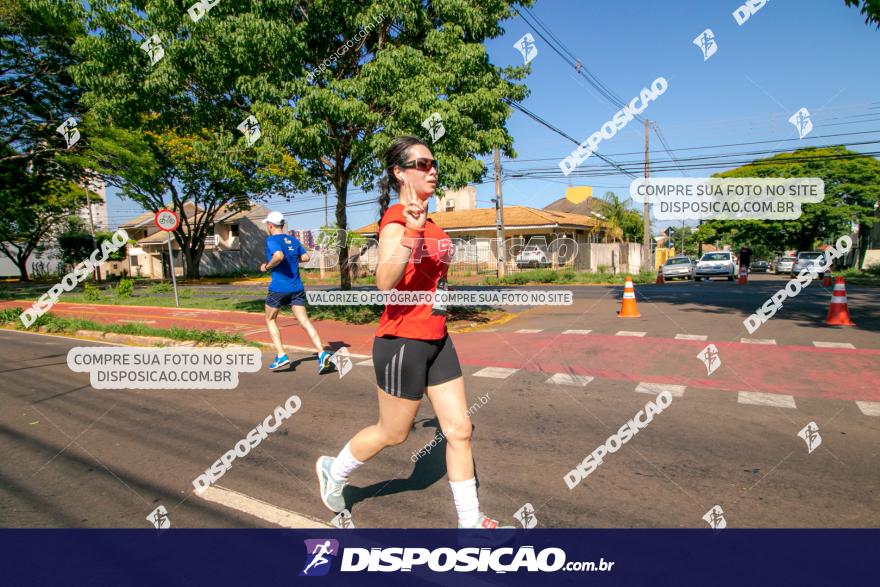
(464, 494)
(345, 464)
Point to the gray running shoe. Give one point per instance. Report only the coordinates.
(331, 489)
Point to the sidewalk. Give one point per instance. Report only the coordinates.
(357, 337)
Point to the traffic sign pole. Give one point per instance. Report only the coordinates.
(168, 222)
(171, 263)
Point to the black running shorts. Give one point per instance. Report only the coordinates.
(406, 366)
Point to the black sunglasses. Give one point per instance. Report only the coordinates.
(422, 164)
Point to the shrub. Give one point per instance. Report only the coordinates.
(185, 292)
(10, 314)
(125, 288)
(161, 288)
(91, 293)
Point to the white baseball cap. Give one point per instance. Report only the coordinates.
(276, 218)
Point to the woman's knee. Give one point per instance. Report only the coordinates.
(459, 433)
(393, 437)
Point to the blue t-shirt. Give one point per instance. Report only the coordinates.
(285, 275)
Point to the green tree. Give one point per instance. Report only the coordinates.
(34, 207)
(621, 219)
(869, 8)
(852, 189)
(330, 82)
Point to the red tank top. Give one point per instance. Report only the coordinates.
(418, 321)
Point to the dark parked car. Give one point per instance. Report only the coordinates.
(759, 267)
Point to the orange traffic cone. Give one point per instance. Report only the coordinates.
(660, 278)
(743, 275)
(838, 312)
(628, 308)
(826, 279)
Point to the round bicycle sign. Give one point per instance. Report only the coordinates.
(166, 220)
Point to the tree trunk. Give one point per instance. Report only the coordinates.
(342, 224)
(193, 256)
(22, 268)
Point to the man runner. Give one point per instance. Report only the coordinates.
(283, 254)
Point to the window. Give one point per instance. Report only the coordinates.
(134, 260)
(234, 230)
(450, 205)
(210, 231)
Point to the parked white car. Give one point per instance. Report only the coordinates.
(678, 267)
(532, 256)
(718, 264)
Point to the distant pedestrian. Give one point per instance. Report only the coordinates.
(283, 254)
(745, 257)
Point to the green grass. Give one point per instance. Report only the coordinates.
(869, 276)
(568, 276)
(58, 325)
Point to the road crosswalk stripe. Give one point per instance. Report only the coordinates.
(570, 379)
(629, 333)
(529, 330)
(757, 398)
(577, 332)
(655, 388)
(833, 345)
(869, 408)
(495, 372)
(367, 363)
(260, 509)
(757, 341)
(690, 337)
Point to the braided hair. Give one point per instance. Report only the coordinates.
(395, 154)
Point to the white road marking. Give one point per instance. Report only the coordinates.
(655, 388)
(577, 332)
(869, 408)
(367, 363)
(757, 340)
(757, 398)
(133, 321)
(833, 345)
(630, 333)
(570, 379)
(495, 372)
(260, 509)
(529, 331)
(690, 337)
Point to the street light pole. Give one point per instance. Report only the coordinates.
(499, 217)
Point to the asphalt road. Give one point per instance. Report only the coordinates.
(75, 456)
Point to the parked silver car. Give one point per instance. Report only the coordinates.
(677, 267)
(784, 265)
(806, 259)
(718, 264)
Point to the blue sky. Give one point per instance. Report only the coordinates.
(817, 54)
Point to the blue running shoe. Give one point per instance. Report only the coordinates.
(279, 362)
(324, 362)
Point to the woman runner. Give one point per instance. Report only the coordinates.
(412, 352)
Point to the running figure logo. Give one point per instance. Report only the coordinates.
(343, 520)
(153, 47)
(342, 360)
(319, 554)
(810, 434)
(715, 518)
(434, 125)
(526, 516)
(69, 131)
(801, 121)
(251, 129)
(159, 518)
(526, 46)
(710, 358)
(706, 42)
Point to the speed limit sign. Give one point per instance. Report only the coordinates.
(167, 220)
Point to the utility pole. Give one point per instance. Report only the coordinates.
(92, 226)
(323, 252)
(647, 263)
(499, 217)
